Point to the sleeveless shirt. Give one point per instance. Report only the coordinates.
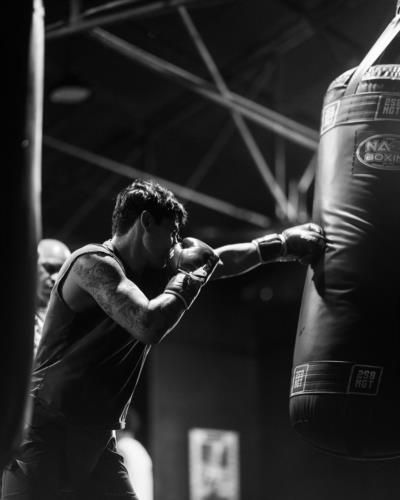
(87, 366)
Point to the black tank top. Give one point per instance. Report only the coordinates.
(87, 366)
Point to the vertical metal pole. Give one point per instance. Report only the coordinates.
(20, 205)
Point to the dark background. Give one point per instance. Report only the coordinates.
(227, 365)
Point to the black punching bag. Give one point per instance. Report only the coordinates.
(22, 74)
(345, 388)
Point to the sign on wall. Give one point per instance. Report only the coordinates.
(213, 464)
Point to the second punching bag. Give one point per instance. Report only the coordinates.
(345, 389)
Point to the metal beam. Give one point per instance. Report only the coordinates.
(85, 22)
(185, 193)
(225, 134)
(97, 194)
(308, 175)
(83, 212)
(238, 120)
(108, 6)
(122, 3)
(280, 171)
(209, 159)
(257, 113)
(74, 10)
(303, 187)
(243, 72)
(279, 142)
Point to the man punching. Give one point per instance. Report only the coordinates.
(105, 313)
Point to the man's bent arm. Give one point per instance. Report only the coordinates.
(121, 299)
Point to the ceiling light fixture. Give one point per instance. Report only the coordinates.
(70, 90)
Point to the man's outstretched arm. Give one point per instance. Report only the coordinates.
(304, 243)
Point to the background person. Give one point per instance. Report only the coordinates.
(52, 254)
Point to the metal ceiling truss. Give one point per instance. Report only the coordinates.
(238, 106)
(237, 118)
(286, 127)
(81, 21)
(243, 214)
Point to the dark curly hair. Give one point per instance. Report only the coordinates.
(145, 195)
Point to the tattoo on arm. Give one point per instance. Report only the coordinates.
(102, 278)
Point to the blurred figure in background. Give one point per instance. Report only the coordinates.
(136, 458)
(51, 256)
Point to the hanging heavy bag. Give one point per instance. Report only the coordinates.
(345, 387)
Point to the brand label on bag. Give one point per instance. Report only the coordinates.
(382, 72)
(329, 114)
(388, 108)
(365, 379)
(381, 151)
(299, 379)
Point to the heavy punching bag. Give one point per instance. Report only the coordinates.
(345, 387)
(22, 74)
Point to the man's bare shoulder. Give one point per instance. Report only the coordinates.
(91, 276)
(96, 268)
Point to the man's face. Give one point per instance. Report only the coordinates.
(161, 237)
(47, 274)
(51, 256)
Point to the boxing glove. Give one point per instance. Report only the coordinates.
(304, 243)
(193, 263)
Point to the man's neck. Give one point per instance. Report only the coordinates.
(127, 247)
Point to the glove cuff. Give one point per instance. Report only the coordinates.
(185, 286)
(205, 272)
(271, 247)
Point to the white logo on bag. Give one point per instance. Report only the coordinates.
(380, 151)
(299, 379)
(390, 106)
(329, 114)
(365, 379)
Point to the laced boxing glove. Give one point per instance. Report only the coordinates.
(193, 261)
(304, 243)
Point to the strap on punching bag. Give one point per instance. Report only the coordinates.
(387, 36)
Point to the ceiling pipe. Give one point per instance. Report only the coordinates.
(122, 3)
(257, 113)
(185, 193)
(238, 120)
(81, 24)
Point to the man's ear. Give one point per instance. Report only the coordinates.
(146, 220)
